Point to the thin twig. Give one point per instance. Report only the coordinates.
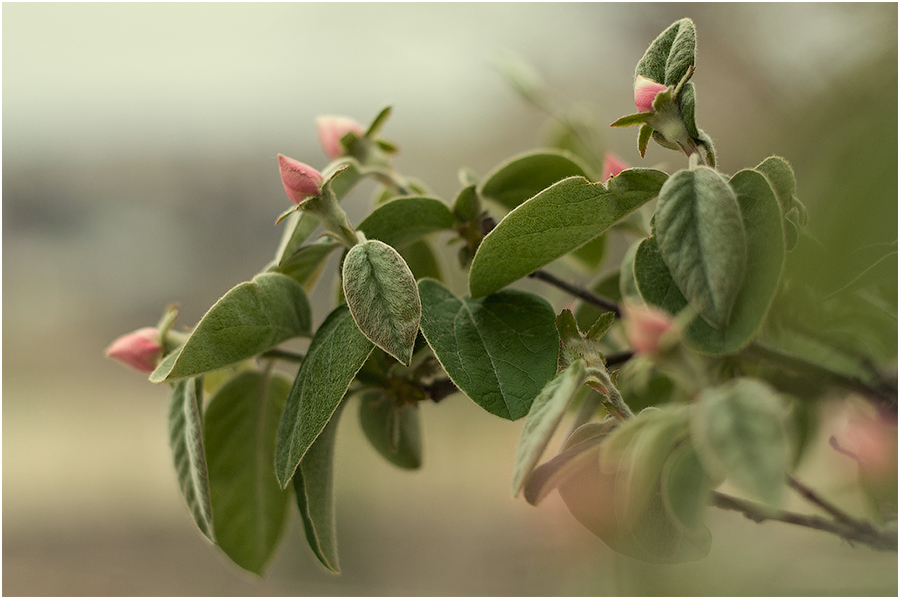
(814, 498)
(859, 531)
(578, 291)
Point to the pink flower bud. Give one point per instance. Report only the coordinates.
(332, 129)
(872, 440)
(300, 181)
(645, 327)
(612, 166)
(645, 91)
(140, 349)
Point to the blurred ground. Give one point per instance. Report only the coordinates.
(139, 169)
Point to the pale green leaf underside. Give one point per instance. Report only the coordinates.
(395, 431)
(337, 352)
(188, 455)
(240, 426)
(499, 350)
(765, 258)
(700, 235)
(381, 292)
(251, 318)
(555, 222)
(544, 416)
(522, 177)
(314, 489)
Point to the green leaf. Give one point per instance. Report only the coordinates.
(299, 226)
(765, 253)
(314, 489)
(700, 234)
(499, 350)
(186, 443)
(630, 120)
(402, 221)
(337, 352)
(590, 255)
(422, 261)
(685, 486)
(393, 429)
(644, 135)
(780, 175)
(580, 448)
(555, 222)
(467, 205)
(606, 286)
(523, 176)
(251, 318)
(306, 263)
(544, 416)
(738, 431)
(381, 292)
(670, 55)
(239, 428)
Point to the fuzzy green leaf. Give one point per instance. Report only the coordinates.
(381, 292)
(499, 350)
(306, 263)
(314, 490)
(188, 455)
(298, 228)
(765, 253)
(402, 221)
(555, 222)
(544, 416)
(523, 176)
(738, 431)
(700, 234)
(240, 425)
(670, 55)
(337, 352)
(251, 318)
(393, 430)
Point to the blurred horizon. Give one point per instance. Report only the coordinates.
(139, 169)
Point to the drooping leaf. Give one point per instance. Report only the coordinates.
(240, 425)
(337, 352)
(499, 350)
(523, 176)
(393, 430)
(402, 221)
(188, 455)
(700, 235)
(544, 416)
(314, 489)
(555, 222)
(251, 318)
(670, 55)
(765, 259)
(381, 292)
(738, 431)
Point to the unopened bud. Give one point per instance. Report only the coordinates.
(645, 91)
(645, 327)
(300, 181)
(612, 166)
(332, 129)
(140, 349)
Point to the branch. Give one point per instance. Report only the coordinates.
(578, 291)
(859, 531)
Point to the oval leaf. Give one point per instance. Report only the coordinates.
(500, 350)
(314, 489)
(251, 318)
(765, 253)
(395, 431)
(240, 425)
(700, 235)
(523, 176)
(738, 431)
(381, 292)
(555, 222)
(337, 352)
(670, 55)
(186, 443)
(544, 416)
(402, 221)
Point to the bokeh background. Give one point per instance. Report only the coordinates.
(139, 145)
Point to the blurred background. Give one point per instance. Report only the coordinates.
(139, 169)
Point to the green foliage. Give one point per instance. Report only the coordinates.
(239, 428)
(524, 176)
(554, 222)
(393, 428)
(337, 352)
(248, 320)
(499, 350)
(671, 55)
(402, 221)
